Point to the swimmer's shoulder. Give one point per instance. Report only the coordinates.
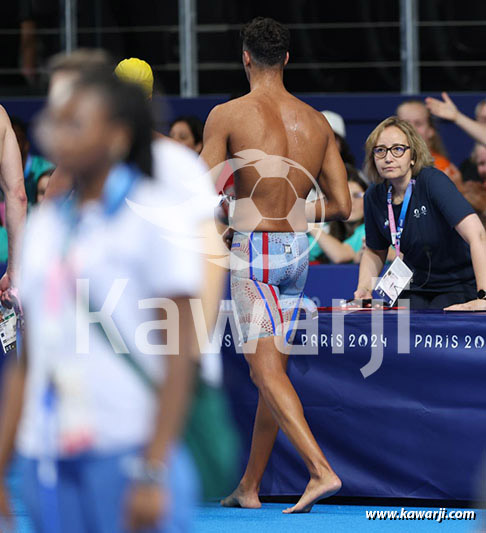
(316, 117)
(223, 118)
(233, 108)
(314, 121)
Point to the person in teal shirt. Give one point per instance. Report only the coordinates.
(3, 245)
(34, 166)
(328, 246)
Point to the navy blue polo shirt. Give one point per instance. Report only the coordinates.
(435, 252)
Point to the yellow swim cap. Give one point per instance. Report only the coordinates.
(137, 71)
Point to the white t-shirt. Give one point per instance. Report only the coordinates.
(124, 252)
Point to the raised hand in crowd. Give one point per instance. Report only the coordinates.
(448, 110)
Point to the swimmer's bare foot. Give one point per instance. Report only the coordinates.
(317, 489)
(241, 498)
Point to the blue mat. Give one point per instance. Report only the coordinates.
(212, 518)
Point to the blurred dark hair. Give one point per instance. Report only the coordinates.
(342, 229)
(195, 125)
(353, 175)
(267, 41)
(20, 124)
(127, 104)
(345, 151)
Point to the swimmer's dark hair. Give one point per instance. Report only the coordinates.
(126, 103)
(195, 125)
(267, 41)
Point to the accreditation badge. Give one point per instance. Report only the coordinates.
(393, 282)
(8, 330)
(74, 410)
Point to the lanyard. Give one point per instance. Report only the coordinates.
(396, 233)
(118, 184)
(62, 272)
(28, 166)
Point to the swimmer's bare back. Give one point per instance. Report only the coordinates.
(277, 123)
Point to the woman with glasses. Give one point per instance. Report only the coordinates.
(344, 242)
(442, 240)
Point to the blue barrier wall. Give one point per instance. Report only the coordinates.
(361, 112)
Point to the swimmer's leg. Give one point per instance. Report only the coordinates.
(265, 431)
(269, 375)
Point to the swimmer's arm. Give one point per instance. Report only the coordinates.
(12, 184)
(333, 181)
(215, 140)
(214, 152)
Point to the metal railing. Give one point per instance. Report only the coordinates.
(189, 32)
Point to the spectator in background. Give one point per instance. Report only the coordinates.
(480, 111)
(188, 130)
(344, 242)
(42, 184)
(3, 245)
(34, 166)
(137, 71)
(34, 15)
(447, 110)
(475, 190)
(339, 128)
(468, 166)
(416, 113)
(479, 158)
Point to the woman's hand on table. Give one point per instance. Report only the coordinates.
(472, 305)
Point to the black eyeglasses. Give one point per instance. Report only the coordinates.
(397, 150)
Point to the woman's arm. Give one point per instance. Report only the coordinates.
(370, 267)
(473, 232)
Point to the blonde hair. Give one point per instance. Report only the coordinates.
(419, 152)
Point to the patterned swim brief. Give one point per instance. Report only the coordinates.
(268, 275)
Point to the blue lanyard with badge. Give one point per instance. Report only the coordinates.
(398, 275)
(68, 415)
